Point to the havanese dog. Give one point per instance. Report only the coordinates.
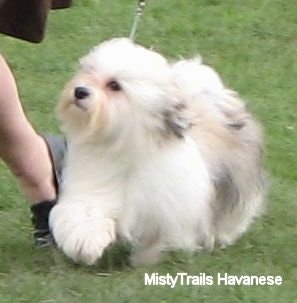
(160, 154)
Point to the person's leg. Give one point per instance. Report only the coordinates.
(24, 151)
(21, 148)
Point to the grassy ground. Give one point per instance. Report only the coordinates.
(253, 45)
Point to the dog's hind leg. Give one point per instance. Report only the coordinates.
(146, 256)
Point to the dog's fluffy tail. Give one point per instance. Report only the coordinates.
(231, 142)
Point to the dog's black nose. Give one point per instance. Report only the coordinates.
(81, 92)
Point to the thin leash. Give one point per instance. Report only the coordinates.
(139, 11)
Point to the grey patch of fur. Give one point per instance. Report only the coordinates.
(236, 125)
(175, 121)
(226, 192)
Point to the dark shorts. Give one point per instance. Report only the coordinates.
(57, 147)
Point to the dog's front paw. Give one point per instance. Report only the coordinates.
(81, 233)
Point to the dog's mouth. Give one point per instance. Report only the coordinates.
(81, 104)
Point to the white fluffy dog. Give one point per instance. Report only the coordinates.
(162, 155)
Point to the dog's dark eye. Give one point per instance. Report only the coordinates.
(114, 86)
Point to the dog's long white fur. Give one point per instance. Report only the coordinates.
(172, 160)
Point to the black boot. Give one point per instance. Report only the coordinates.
(40, 212)
(40, 215)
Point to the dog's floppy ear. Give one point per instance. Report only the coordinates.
(176, 120)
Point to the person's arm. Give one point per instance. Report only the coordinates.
(21, 148)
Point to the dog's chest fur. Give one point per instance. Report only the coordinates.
(161, 188)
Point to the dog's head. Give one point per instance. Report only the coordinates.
(121, 87)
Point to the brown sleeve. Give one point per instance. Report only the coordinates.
(26, 19)
(57, 4)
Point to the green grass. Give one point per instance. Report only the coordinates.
(253, 45)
